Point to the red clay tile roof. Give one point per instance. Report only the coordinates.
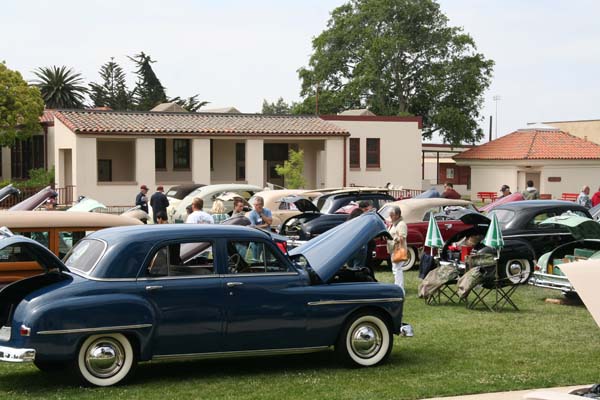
(47, 117)
(534, 145)
(114, 122)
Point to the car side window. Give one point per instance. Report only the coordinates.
(253, 257)
(537, 220)
(182, 259)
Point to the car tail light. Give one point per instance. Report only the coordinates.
(537, 268)
(282, 246)
(24, 330)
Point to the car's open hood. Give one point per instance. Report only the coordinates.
(88, 205)
(34, 201)
(302, 204)
(328, 252)
(580, 227)
(7, 191)
(47, 260)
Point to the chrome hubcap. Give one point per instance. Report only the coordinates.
(104, 357)
(515, 268)
(366, 340)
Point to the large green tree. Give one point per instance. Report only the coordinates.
(192, 104)
(398, 57)
(112, 92)
(149, 92)
(61, 87)
(20, 107)
(277, 107)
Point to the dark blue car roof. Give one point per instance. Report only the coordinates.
(128, 246)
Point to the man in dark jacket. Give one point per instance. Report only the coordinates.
(449, 192)
(141, 199)
(159, 202)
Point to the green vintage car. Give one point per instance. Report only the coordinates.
(586, 246)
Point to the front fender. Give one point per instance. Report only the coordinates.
(415, 238)
(517, 249)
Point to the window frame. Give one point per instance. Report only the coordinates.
(354, 153)
(178, 155)
(373, 152)
(289, 269)
(160, 154)
(144, 274)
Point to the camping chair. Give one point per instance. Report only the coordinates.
(493, 292)
(439, 286)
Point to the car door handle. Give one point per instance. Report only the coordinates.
(152, 288)
(234, 284)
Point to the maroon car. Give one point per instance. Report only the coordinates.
(415, 213)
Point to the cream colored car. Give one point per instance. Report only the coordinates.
(282, 210)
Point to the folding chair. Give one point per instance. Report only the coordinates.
(445, 294)
(494, 293)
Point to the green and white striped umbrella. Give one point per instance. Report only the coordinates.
(493, 237)
(434, 236)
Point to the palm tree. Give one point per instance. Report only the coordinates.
(60, 87)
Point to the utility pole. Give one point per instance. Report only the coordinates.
(497, 98)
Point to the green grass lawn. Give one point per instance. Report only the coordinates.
(454, 351)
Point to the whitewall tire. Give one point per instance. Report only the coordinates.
(412, 259)
(365, 341)
(105, 359)
(518, 271)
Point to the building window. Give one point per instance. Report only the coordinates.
(160, 153)
(354, 153)
(181, 154)
(373, 153)
(240, 161)
(26, 155)
(449, 173)
(104, 170)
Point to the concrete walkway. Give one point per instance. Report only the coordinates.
(515, 395)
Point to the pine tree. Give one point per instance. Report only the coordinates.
(113, 91)
(148, 92)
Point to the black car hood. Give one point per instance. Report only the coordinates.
(472, 218)
(301, 203)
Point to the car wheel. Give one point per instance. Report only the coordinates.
(105, 360)
(412, 259)
(366, 340)
(50, 366)
(518, 271)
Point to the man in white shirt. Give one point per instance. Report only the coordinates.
(198, 216)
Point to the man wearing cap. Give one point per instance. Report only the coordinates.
(505, 190)
(141, 199)
(159, 202)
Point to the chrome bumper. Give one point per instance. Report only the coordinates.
(10, 354)
(549, 281)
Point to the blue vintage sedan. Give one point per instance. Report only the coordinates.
(140, 293)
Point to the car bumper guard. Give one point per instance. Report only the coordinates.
(551, 282)
(10, 354)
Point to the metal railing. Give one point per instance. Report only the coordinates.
(405, 193)
(65, 196)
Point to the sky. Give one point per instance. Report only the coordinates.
(237, 53)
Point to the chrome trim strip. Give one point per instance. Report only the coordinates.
(100, 329)
(257, 274)
(536, 234)
(356, 301)
(242, 353)
(174, 278)
(221, 276)
(91, 278)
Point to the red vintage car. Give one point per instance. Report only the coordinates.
(416, 215)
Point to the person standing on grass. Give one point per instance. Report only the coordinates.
(584, 197)
(260, 217)
(198, 216)
(142, 199)
(398, 230)
(596, 198)
(159, 202)
(218, 212)
(531, 193)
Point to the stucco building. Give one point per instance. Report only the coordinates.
(107, 155)
(556, 161)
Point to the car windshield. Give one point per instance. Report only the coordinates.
(84, 255)
(504, 216)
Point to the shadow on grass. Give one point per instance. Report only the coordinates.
(33, 383)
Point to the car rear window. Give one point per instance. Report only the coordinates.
(85, 255)
(504, 216)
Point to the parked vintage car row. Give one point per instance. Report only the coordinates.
(139, 293)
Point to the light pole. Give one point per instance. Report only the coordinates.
(497, 98)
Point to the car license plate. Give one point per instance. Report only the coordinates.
(5, 333)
